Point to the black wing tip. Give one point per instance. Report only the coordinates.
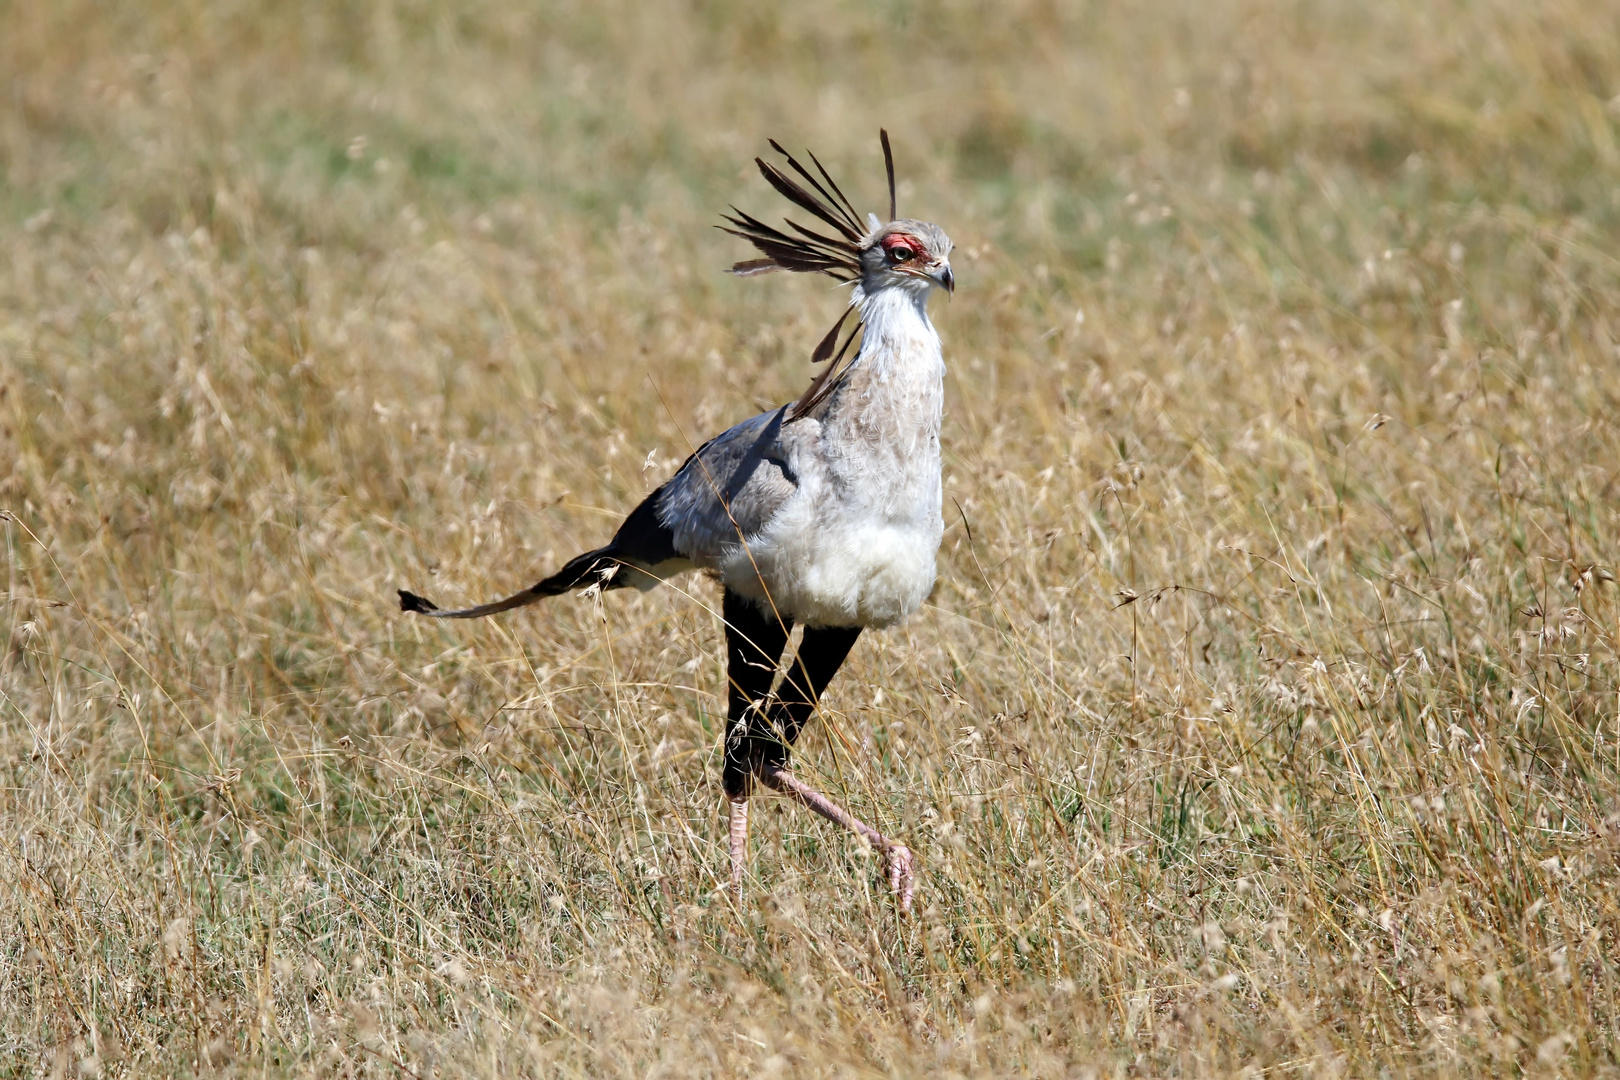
(421, 605)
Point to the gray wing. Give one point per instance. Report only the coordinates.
(723, 495)
(733, 486)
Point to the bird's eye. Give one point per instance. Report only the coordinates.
(900, 253)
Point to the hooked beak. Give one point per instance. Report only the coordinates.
(943, 277)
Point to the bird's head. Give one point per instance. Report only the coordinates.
(907, 254)
(903, 253)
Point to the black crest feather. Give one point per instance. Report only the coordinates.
(798, 248)
(888, 166)
(810, 250)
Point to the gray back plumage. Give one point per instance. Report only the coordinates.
(726, 492)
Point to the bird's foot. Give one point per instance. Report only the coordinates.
(897, 858)
(902, 878)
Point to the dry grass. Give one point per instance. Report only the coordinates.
(1264, 721)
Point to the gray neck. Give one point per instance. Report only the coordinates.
(892, 396)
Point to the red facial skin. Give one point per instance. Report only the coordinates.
(895, 240)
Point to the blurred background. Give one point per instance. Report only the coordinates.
(1264, 720)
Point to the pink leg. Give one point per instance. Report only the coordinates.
(739, 845)
(897, 857)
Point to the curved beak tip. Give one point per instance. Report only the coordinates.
(947, 280)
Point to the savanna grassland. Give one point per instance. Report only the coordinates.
(1263, 721)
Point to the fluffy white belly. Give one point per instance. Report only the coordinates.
(840, 571)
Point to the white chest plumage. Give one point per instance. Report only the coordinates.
(856, 543)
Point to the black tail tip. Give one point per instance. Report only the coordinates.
(409, 601)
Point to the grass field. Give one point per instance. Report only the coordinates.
(1265, 719)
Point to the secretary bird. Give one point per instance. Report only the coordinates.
(823, 513)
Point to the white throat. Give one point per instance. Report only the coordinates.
(893, 392)
(896, 326)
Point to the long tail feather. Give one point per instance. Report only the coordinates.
(601, 566)
(421, 605)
